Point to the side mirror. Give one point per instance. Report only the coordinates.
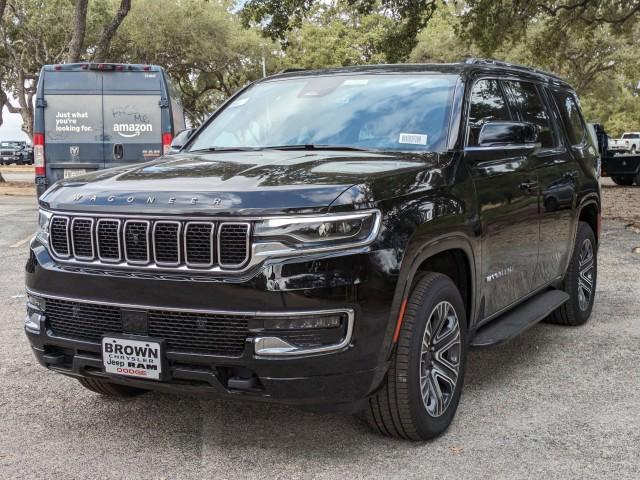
(508, 133)
(180, 139)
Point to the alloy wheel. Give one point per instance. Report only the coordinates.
(586, 268)
(440, 359)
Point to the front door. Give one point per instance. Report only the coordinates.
(507, 199)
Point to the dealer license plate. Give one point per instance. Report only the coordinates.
(132, 358)
(73, 172)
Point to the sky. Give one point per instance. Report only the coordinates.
(11, 128)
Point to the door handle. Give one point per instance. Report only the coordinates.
(528, 186)
(118, 151)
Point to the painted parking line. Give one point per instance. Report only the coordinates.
(19, 243)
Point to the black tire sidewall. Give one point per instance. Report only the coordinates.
(426, 425)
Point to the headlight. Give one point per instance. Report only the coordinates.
(321, 231)
(44, 219)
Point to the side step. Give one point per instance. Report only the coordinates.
(522, 317)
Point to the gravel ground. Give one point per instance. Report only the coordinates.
(554, 403)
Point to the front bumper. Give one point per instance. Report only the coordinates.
(342, 376)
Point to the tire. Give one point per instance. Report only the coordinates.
(624, 180)
(580, 280)
(398, 409)
(109, 389)
(633, 150)
(638, 179)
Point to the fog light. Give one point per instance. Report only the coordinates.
(32, 321)
(297, 323)
(37, 303)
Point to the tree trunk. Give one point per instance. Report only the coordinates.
(110, 29)
(79, 28)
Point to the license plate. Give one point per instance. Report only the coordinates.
(73, 172)
(132, 358)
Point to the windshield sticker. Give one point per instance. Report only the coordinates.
(73, 122)
(239, 102)
(413, 138)
(355, 81)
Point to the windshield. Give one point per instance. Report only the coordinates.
(12, 144)
(386, 112)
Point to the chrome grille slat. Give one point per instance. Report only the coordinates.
(59, 236)
(82, 238)
(155, 243)
(233, 244)
(136, 242)
(108, 240)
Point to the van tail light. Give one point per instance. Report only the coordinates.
(167, 138)
(38, 154)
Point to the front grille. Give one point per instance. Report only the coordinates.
(234, 248)
(164, 243)
(208, 333)
(82, 235)
(59, 236)
(108, 239)
(136, 241)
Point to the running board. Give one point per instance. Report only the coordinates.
(521, 318)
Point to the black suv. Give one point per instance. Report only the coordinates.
(15, 151)
(334, 238)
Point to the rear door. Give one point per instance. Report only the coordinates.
(73, 122)
(132, 117)
(556, 173)
(508, 208)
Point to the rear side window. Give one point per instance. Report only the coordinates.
(571, 117)
(132, 118)
(530, 108)
(487, 103)
(73, 118)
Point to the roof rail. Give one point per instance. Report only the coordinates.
(499, 63)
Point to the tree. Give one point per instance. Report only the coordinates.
(407, 18)
(202, 45)
(36, 32)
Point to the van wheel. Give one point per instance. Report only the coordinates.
(579, 281)
(420, 394)
(624, 180)
(109, 389)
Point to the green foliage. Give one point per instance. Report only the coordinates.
(202, 45)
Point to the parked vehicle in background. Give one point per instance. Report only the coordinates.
(92, 116)
(332, 239)
(15, 151)
(623, 169)
(628, 143)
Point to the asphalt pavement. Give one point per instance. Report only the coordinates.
(557, 402)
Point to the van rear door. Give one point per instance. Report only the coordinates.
(132, 116)
(73, 122)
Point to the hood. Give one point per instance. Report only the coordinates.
(235, 182)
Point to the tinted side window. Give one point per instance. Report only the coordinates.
(530, 108)
(571, 117)
(487, 104)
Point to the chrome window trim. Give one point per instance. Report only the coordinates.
(124, 242)
(118, 239)
(153, 240)
(211, 250)
(247, 245)
(72, 235)
(66, 219)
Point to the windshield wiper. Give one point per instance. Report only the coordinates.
(225, 149)
(316, 146)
